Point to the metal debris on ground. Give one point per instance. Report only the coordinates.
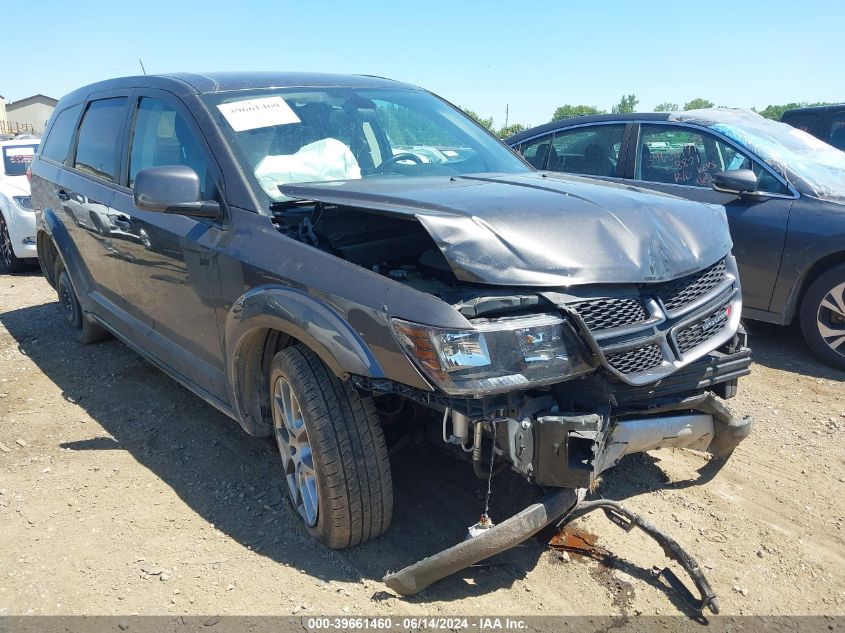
(628, 520)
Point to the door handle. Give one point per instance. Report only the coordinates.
(62, 194)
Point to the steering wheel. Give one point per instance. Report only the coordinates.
(395, 159)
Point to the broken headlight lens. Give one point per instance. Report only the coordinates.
(496, 355)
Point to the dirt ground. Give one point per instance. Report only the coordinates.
(122, 493)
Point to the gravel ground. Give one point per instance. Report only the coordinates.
(122, 493)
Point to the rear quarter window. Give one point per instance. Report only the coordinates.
(55, 146)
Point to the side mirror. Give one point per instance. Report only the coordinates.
(172, 189)
(735, 181)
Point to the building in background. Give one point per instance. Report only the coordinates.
(29, 115)
(2, 114)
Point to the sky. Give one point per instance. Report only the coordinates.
(528, 57)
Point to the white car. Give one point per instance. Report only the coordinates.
(17, 219)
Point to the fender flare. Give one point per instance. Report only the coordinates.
(69, 254)
(300, 316)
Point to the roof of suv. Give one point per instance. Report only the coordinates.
(198, 83)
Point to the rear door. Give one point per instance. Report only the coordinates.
(170, 257)
(86, 189)
(681, 160)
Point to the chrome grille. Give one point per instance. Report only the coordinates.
(678, 293)
(603, 314)
(636, 360)
(695, 334)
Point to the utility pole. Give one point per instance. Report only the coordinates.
(507, 107)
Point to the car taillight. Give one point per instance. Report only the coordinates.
(29, 173)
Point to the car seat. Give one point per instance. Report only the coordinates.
(538, 161)
(646, 164)
(596, 162)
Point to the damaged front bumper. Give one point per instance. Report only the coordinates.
(570, 451)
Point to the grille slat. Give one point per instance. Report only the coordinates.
(678, 293)
(603, 314)
(636, 360)
(700, 331)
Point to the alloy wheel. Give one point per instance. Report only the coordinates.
(830, 319)
(5, 244)
(295, 449)
(66, 302)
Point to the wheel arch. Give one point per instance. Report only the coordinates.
(265, 321)
(818, 268)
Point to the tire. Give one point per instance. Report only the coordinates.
(84, 332)
(334, 456)
(12, 263)
(823, 316)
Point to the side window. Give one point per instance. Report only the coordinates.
(837, 131)
(161, 136)
(99, 136)
(683, 156)
(592, 151)
(801, 120)
(536, 151)
(58, 139)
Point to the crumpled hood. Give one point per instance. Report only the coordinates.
(544, 230)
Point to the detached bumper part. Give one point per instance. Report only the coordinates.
(507, 534)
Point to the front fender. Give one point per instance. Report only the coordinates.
(300, 316)
(306, 319)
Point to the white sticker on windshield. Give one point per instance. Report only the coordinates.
(251, 114)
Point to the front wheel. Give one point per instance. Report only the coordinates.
(823, 316)
(334, 456)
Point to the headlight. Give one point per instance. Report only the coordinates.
(495, 355)
(24, 202)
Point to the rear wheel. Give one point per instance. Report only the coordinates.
(823, 316)
(334, 456)
(12, 263)
(84, 331)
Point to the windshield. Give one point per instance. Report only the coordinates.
(320, 134)
(813, 166)
(16, 158)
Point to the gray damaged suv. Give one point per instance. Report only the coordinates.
(335, 260)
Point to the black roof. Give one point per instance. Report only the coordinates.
(579, 120)
(197, 83)
(821, 108)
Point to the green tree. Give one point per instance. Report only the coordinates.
(666, 106)
(628, 103)
(510, 130)
(488, 123)
(569, 111)
(776, 111)
(698, 103)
